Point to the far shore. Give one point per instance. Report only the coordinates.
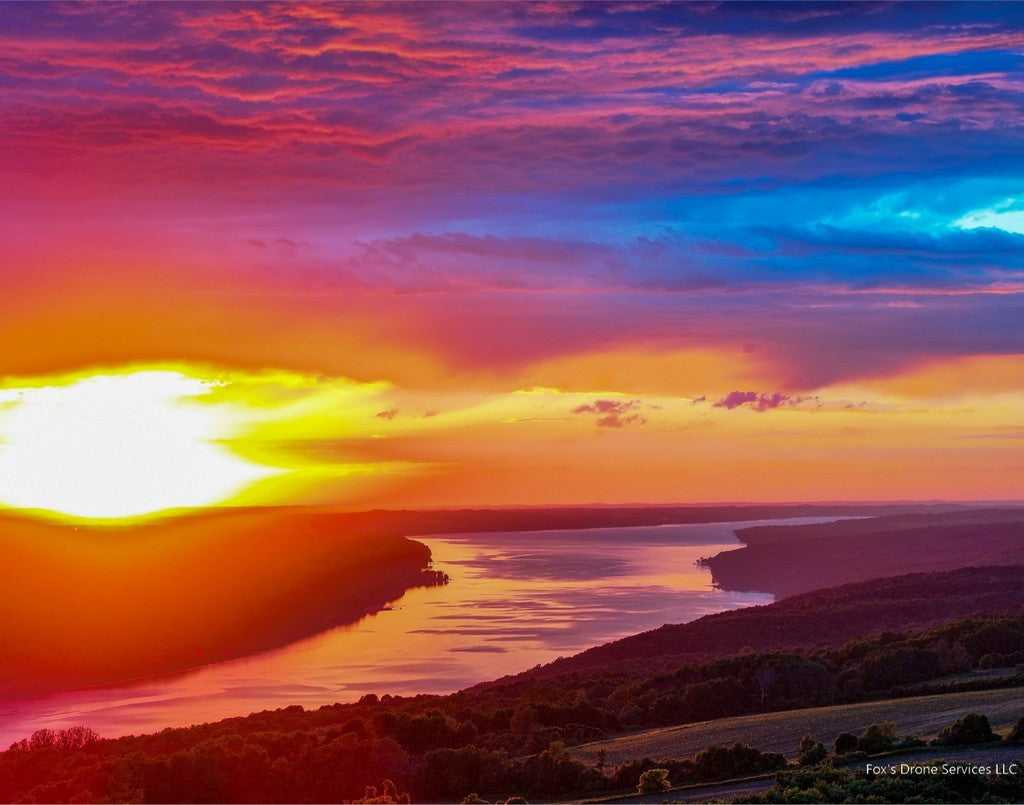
(787, 560)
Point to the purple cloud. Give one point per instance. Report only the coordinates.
(616, 421)
(613, 414)
(758, 402)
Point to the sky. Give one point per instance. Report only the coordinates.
(442, 254)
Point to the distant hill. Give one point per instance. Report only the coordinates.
(454, 521)
(920, 518)
(786, 560)
(823, 618)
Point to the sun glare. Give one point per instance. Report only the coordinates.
(115, 446)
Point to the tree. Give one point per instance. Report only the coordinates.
(653, 781)
(846, 742)
(764, 676)
(810, 751)
(971, 729)
(76, 737)
(42, 739)
(523, 719)
(877, 738)
(721, 762)
(1016, 735)
(389, 796)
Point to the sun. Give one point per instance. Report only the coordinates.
(119, 445)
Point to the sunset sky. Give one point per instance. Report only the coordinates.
(442, 254)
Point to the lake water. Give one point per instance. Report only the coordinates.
(515, 600)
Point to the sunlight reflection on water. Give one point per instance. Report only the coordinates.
(515, 600)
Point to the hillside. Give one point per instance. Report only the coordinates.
(787, 560)
(82, 606)
(821, 618)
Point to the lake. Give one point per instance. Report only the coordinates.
(515, 600)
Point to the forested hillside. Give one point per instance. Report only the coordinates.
(821, 618)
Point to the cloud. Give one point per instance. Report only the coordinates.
(613, 414)
(584, 177)
(517, 97)
(606, 407)
(734, 399)
(758, 402)
(391, 413)
(616, 421)
(1007, 216)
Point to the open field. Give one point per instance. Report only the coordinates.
(779, 732)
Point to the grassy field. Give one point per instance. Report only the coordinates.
(923, 716)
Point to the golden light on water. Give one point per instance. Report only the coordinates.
(119, 445)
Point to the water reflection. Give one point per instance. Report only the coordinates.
(515, 600)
